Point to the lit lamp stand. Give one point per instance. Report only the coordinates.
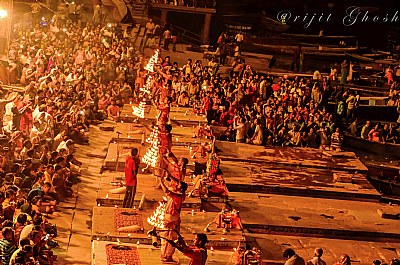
(3, 13)
(117, 159)
(6, 7)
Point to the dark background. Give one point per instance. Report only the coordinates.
(379, 35)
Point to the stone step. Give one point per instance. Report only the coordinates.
(275, 189)
(323, 233)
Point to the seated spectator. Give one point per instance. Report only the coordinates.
(393, 135)
(23, 254)
(7, 245)
(60, 182)
(21, 222)
(258, 135)
(183, 100)
(374, 135)
(344, 260)
(113, 111)
(292, 257)
(316, 260)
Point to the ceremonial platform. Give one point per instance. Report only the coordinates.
(129, 135)
(105, 252)
(108, 221)
(295, 171)
(287, 197)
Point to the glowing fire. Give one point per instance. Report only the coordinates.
(157, 218)
(147, 86)
(151, 156)
(139, 111)
(153, 60)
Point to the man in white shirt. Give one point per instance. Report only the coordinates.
(239, 39)
(239, 126)
(167, 39)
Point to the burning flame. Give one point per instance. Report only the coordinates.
(139, 111)
(153, 60)
(147, 86)
(157, 218)
(151, 156)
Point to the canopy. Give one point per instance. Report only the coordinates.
(118, 10)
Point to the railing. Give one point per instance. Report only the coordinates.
(183, 35)
(190, 3)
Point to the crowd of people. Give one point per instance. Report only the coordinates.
(74, 77)
(264, 110)
(295, 259)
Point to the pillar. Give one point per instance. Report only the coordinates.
(301, 61)
(164, 14)
(206, 29)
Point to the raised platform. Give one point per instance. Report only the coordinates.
(133, 134)
(106, 221)
(291, 156)
(106, 195)
(295, 172)
(281, 194)
(360, 252)
(147, 254)
(317, 217)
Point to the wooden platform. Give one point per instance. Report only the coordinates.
(295, 181)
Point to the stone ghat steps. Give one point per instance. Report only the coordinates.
(314, 193)
(189, 203)
(107, 221)
(322, 232)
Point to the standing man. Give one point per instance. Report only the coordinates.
(167, 39)
(351, 105)
(172, 219)
(96, 14)
(344, 72)
(239, 40)
(131, 169)
(149, 31)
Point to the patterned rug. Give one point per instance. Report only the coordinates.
(125, 217)
(122, 255)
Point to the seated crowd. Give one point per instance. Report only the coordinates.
(263, 110)
(73, 78)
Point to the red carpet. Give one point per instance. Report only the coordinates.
(122, 255)
(127, 217)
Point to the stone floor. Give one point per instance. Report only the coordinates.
(78, 226)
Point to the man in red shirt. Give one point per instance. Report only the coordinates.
(172, 219)
(164, 109)
(207, 104)
(113, 111)
(131, 169)
(197, 253)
